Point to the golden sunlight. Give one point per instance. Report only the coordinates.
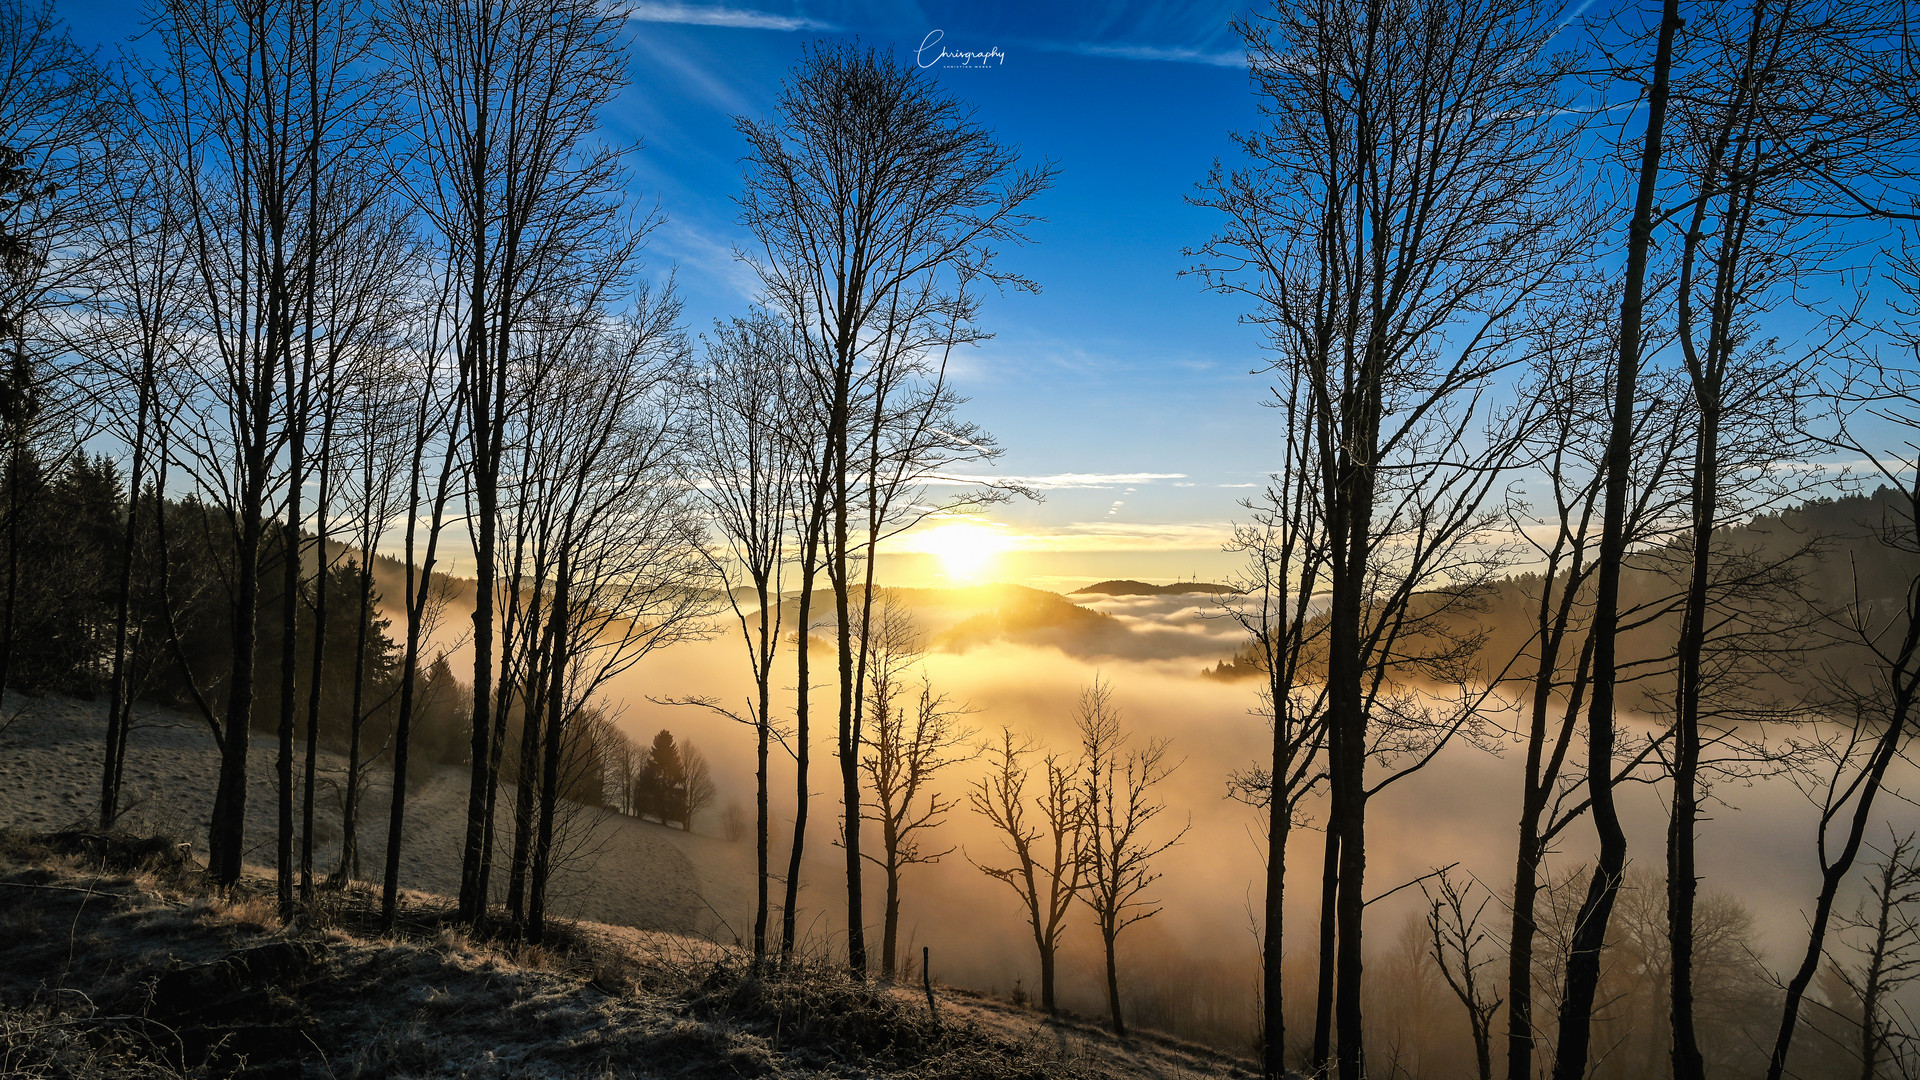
(967, 550)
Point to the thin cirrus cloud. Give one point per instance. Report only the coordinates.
(715, 15)
(1059, 481)
(1159, 53)
(744, 18)
(1119, 536)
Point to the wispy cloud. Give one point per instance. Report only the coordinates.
(1124, 536)
(695, 249)
(719, 91)
(1162, 53)
(1100, 535)
(1060, 481)
(714, 15)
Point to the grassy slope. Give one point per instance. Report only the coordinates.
(116, 961)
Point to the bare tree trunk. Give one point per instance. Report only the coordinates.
(350, 799)
(312, 763)
(419, 590)
(838, 573)
(1347, 755)
(496, 751)
(1531, 850)
(762, 733)
(326, 439)
(890, 928)
(14, 438)
(477, 389)
(288, 662)
(1590, 932)
(1046, 977)
(289, 641)
(525, 789)
(1273, 1026)
(809, 565)
(473, 901)
(119, 694)
(1323, 983)
(1523, 928)
(550, 775)
(227, 826)
(1682, 873)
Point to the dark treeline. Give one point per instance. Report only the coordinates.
(62, 589)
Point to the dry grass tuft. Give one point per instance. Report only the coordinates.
(65, 1035)
(818, 1015)
(248, 911)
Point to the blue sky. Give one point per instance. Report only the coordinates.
(1122, 391)
(1122, 385)
(1121, 388)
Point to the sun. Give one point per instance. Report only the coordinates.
(967, 550)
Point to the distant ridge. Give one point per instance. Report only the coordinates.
(1125, 587)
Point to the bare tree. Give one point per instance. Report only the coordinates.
(432, 429)
(370, 405)
(747, 464)
(1284, 548)
(358, 301)
(1779, 120)
(628, 570)
(1046, 870)
(229, 104)
(1117, 847)
(1405, 197)
(1589, 938)
(506, 94)
(911, 739)
(700, 791)
(1885, 931)
(1553, 666)
(138, 312)
(622, 757)
(542, 448)
(1455, 935)
(873, 295)
(1873, 696)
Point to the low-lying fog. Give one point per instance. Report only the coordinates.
(1757, 845)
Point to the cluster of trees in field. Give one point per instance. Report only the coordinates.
(665, 780)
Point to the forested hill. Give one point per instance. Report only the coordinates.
(1783, 570)
(1857, 544)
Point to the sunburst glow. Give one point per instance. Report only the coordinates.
(967, 550)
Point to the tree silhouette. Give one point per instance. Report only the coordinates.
(1116, 846)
